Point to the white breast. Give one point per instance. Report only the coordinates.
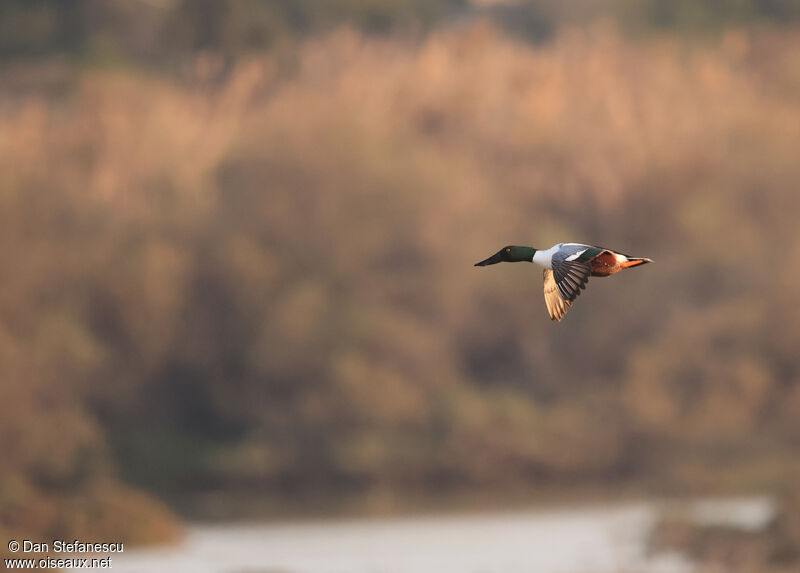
(545, 258)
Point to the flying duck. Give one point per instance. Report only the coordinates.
(567, 268)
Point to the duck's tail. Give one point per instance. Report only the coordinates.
(635, 262)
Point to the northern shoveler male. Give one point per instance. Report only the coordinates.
(567, 268)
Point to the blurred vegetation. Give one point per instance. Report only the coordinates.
(166, 31)
(712, 547)
(263, 284)
(155, 30)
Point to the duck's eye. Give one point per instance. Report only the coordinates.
(508, 249)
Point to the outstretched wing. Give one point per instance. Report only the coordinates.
(557, 306)
(570, 276)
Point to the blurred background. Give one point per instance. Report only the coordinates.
(236, 253)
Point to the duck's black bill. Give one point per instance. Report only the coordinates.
(494, 259)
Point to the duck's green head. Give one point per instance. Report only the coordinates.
(509, 254)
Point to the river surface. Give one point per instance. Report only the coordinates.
(588, 539)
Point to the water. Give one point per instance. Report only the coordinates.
(592, 539)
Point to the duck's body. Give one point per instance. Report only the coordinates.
(567, 268)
